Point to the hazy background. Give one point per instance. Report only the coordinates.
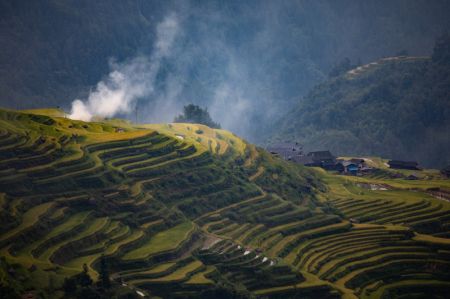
(247, 61)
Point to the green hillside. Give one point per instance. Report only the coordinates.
(397, 107)
(186, 211)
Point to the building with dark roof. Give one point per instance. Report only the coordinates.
(353, 166)
(323, 159)
(358, 161)
(294, 152)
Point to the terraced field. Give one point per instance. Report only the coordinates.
(381, 200)
(185, 211)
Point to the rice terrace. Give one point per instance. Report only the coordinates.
(238, 149)
(188, 217)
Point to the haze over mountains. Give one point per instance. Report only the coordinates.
(397, 107)
(141, 171)
(252, 59)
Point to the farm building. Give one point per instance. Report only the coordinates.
(294, 152)
(397, 164)
(350, 168)
(323, 159)
(358, 161)
(353, 166)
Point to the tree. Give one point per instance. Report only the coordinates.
(441, 51)
(104, 273)
(69, 286)
(7, 292)
(402, 53)
(195, 114)
(83, 278)
(340, 68)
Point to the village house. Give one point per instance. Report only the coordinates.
(294, 152)
(349, 167)
(354, 166)
(322, 159)
(325, 159)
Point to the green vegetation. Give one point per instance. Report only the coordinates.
(396, 107)
(201, 277)
(162, 241)
(29, 218)
(297, 52)
(195, 114)
(90, 210)
(180, 273)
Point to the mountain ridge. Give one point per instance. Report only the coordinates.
(381, 108)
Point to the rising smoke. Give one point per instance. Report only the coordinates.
(249, 62)
(128, 81)
(222, 79)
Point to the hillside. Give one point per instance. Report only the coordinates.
(74, 192)
(396, 107)
(228, 55)
(185, 211)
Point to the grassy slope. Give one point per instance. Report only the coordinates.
(146, 225)
(161, 242)
(344, 192)
(172, 202)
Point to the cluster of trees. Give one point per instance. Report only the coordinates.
(398, 109)
(195, 114)
(342, 67)
(56, 51)
(81, 286)
(441, 51)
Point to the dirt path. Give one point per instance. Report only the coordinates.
(257, 174)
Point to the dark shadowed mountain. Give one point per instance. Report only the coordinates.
(252, 59)
(397, 107)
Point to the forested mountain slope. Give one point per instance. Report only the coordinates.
(228, 55)
(396, 107)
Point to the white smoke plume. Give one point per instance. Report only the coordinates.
(128, 81)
